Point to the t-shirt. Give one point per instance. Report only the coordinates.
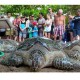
(48, 25)
(76, 21)
(35, 32)
(11, 19)
(23, 26)
(71, 25)
(41, 21)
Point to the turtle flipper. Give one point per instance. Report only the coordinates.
(63, 63)
(13, 60)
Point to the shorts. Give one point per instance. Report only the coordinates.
(59, 30)
(76, 32)
(21, 34)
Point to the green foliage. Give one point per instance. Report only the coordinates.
(33, 9)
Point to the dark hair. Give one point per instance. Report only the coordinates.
(41, 13)
(26, 19)
(9, 13)
(22, 17)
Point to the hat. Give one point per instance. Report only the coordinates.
(34, 23)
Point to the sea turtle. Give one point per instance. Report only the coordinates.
(8, 45)
(39, 52)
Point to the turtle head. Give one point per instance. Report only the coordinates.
(37, 60)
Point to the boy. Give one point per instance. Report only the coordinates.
(35, 30)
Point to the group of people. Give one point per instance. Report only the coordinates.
(53, 26)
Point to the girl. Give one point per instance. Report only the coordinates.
(48, 24)
(23, 32)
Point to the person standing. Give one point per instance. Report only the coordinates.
(22, 32)
(52, 15)
(9, 33)
(71, 26)
(16, 24)
(35, 30)
(59, 25)
(48, 24)
(41, 23)
(76, 21)
(10, 18)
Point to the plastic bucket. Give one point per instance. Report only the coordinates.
(1, 53)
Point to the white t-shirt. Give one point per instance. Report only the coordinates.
(11, 19)
(48, 25)
(27, 23)
(41, 21)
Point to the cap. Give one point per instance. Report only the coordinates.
(34, 23)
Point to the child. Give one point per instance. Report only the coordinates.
(35, 29)
(47, 29)
(30, 32)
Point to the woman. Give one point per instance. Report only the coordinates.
(48, 24)
(71, 25)
(41, 23)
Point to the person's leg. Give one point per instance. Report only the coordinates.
(24, 37)
(55, 37)
(55, 33)
(15, 38)
(20, 36)
(71, 36)
(78, 34)
(16, 35)
(74, 34)
(60, 32)
(48, 34)
(45, 34)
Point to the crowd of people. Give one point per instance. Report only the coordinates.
(52, 26)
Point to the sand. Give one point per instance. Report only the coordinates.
(27, 69)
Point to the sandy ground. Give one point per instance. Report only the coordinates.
(27, 69)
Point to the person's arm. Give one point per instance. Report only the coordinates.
(54, 21)
(20, 27)
(27, 23)
(14, 23)
(64, 22)
(75, 19)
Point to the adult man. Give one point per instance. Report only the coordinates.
(10, 18)
(59, 23)
(31, 21)
(8, 33)
(76, 21)
(51, 13)
(41, 23)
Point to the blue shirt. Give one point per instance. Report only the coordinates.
(71, 25)
(22, 26)
(35, 32)
(76, 22)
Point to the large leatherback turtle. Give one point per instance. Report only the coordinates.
(38, 53)
(8, 45)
